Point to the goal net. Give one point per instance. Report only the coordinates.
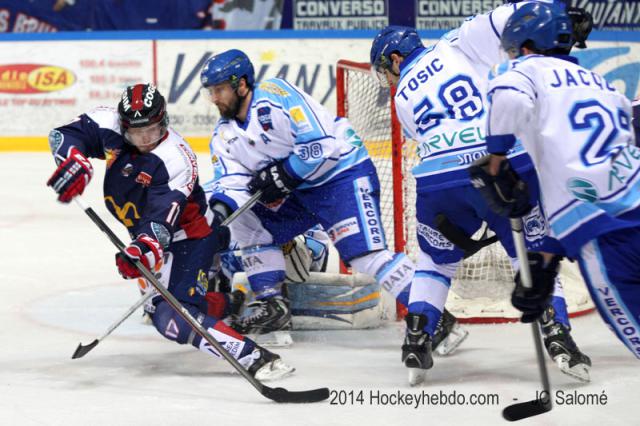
(482, 287)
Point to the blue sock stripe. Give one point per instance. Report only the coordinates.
(434, 275)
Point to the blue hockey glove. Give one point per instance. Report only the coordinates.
(274, 181)
(533, 301)
(504, 193)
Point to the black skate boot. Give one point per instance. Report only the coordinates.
(448, 335)
(562, 349)
(266, 365)
(269, 320)
(416, 350)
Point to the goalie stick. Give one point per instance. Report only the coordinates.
(523, 410)
(82, 350)
(459, 238)
(275, 394)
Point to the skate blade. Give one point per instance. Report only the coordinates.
(275, 339)
(579, 372)
(452, 341)
(274, 370)
(417, 376)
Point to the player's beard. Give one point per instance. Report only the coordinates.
(231, 111)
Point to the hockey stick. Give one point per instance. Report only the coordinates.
(82, 350)
(275, 394)
(459, 238)
(541, 405)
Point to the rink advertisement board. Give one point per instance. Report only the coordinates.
(340, 14)
(44, 84)
(447, 14)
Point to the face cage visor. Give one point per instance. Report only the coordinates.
(144, 137)
(379, 69)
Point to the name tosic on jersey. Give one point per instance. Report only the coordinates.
(441, 103)
(577, 129)
(282, 123)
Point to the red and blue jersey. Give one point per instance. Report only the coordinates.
(157, 193)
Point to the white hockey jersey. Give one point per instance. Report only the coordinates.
(283, 123)
(441, 103)
(577, 129)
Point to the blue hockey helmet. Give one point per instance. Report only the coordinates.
(393, 39)
(230, 66)
(546, 26)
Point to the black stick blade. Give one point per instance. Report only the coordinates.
(83, 350)
(523, 410)
(283, 395)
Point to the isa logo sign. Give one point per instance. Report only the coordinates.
(33, 78)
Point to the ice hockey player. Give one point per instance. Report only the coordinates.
(151, 186)
(576, 127)
(440, 102)
(310, 167)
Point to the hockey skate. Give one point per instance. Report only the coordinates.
(267, 322)
(268, 366)
(448, 335)
(416, 350)
(562, 349)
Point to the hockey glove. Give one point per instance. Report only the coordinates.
(533, 301)
(71, 177)
(222, 234)
(504, 193)
(274, 181)
(145, 249)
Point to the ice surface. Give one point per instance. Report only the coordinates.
(60, 287)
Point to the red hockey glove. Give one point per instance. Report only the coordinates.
(145, 249)
(71, 176)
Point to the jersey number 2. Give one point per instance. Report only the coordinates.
(604, 127)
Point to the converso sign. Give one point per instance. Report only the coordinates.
(34, 78)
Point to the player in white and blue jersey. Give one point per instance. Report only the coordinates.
(441, 103)
(577, 128)
(311, 168)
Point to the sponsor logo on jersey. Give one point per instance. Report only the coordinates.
(264, 117)
(34, 78)
(352, 137)
(434, 238)
(343, 229)
(273, 89)
(300, 119)
(144, 179)
(583, 190)
(369, 216)
(123, 212)
(126, 170)
(172, 329)
(110, 155)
